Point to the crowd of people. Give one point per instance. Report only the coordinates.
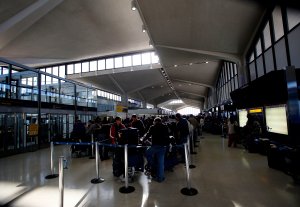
(158, 133)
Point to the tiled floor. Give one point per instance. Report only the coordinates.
(224, 177)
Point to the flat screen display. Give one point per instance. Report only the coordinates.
(243, 117)
(276, 119)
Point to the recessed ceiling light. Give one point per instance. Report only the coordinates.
(191, 64)
(133, 6)
(175, 66)
(143, 28)
(206, 62)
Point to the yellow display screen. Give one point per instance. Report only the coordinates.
(258, 110)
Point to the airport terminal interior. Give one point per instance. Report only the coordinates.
(149, 103)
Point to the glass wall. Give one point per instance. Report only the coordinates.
(144, 58)
(277, 44)
(227, 82)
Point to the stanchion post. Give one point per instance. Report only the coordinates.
(92, 141)
(191, 166)
(98, 179)
(61, 181)
(192, 144)
(52, 175)
(126, 188)
(188, 190)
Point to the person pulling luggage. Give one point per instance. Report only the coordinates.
(160, 139)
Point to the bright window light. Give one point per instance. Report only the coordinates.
(189, 110)
(101, 64)
(93, 65)
(109, 63)
(154, 58)
(35, 81)
(127, 61)
(49, 70)
(55, 71)
(48, 80)
(70, 69)
(150, 106)
(62, 71)
(4, 71)
(118, 62)
(85, 67)
(77, 68)
(24, 81)
(54, 80)
(29, 81)
(136, 60)
(176, 102)
(146, 59)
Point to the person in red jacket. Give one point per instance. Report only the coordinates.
(118, 157)
(114, 130)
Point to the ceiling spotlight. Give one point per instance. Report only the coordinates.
(175, 66)
(191, 64)
(150, 44)
(133, 5)
(144, 29)
(206, 62)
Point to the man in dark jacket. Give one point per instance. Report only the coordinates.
(137, 123)
(182, 128)
(182, 134)
(160, 139)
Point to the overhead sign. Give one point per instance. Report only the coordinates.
(257, 110)
(33, 130)
(120, 108)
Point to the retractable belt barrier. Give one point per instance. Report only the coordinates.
(125, 189)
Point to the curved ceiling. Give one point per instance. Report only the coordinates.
(185, 34)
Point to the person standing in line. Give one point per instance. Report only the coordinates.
(137, 123)
(118, 157)
(182, 134)
(232, 138)
(159, 140)
(195, 124)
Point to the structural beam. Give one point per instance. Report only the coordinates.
(116, 84)
(218, 55)
(194, 83)
(17, 24)
(194, 94)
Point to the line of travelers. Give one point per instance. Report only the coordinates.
(160, 134)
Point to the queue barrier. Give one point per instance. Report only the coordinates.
(189, 191)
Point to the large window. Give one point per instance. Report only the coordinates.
(227, 81)
(270, 50)
(278, 24)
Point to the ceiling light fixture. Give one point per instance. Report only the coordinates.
(133, 6)
(175, 66)
(206, 62)
(191, 64)
(150, 44)
(143, 28)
